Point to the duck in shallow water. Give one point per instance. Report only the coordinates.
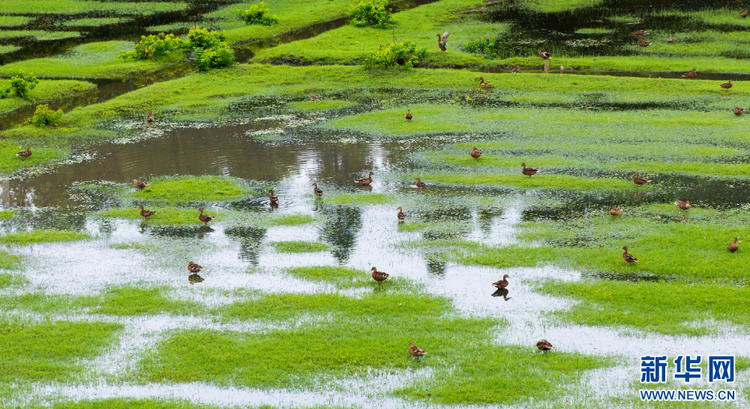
(204, 217)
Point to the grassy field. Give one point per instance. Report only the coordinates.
(45, 91)
(78, 7)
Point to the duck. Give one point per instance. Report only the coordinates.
(146, 213)
(638, 33)
(733, 246)
(313, 97)
(150, 117)
(272, 197)
(528, 171)
(643, 43)
(475, 153)
(442, 41)
(485, 84)
(615, 210)
(420, 183)
(401, 215)
(690, 75)
(365, 181)
(502, 283)
(416, 351)
(25, 153)
(671, 39)
(726, 85)
(683, 205)
(408, 116)
(204, 217)
(516, 69)
(544, 345)
(379, 276)
(140, 185)
(640, 181)
(743, 14)
(194, 268)
(739, 111)
(195, 278)
(628, 257)
(545, 55)
(318, 191)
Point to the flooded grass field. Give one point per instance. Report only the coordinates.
(101, 308)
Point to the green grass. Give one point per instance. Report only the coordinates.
(556, 6)
(9, 162)
(299, 246)
(41, 236)
(141, 301)
(14, 21)
(359, 199)
(50, 351)
(344, 277)
(323, 105)
(96, 22)
(44, 92)
(93, 60)
(8, 261)
(32, 7)
(521, 181)
(164, 215)
(5, 49)
(192, 189)
(10, 280)
(292, 220)
(669, 308)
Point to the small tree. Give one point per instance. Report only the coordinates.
(22, 84)
(257, 14)
(370, 13)
(404, 54)
(44, 116)
(154, 46)
(209, 49)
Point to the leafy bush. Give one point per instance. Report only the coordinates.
(22, 84)
(209, 49)
(370, 13)
(485, 46)
(154, 46)
(391, 54)
(257, 14)
(44, 116)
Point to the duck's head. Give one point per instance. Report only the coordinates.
(200, 209)
(315, 184)
(523, 164)
(372, 173)
(398, 208)
(140, 207)
(625, 248)
(412, 344)
(506, 276)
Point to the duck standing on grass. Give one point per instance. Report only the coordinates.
(639, 180)
(671, 40)
(416, 351)
(313, 97)
(628, 257)
(743, 14)
(204, 217)
(502, 283)
(401, 215)
(475, 153)
(643, 43)
(726, 85)
(739, 111)
(545, 55)
(528, 171)
(408, 116)
(733, 246)
(683, 205)
(150, 117)
(318, 191)
(379, 276)
(140, 185)
(615, 210)
(25, 153)
(146, 213)
(443, 41)
(544, 345)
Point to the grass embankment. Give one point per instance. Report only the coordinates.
(50, 351)
(96, 21)
(38, 34)
(44, 91)
(14, 21)
(80, 7)
(41, 236)
(360, 335)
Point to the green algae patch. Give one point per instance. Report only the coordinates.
(323, 105)
(141, 301)
(41, 236)
(50, 351)
(360, 199)
(299, 246)
(191, 189)
(669, 308)
(163, 216)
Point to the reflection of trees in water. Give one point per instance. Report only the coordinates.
(340, 227)
(182, 232)
(250, 239)
(435, 266)
(485, 217)
(47, 219)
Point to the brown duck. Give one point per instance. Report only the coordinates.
(140, 185)
(545, 55)
(615, 210)
(146, 213)
(516, 69)
(313, 97)
(690, 75)
(733, 246)
(150, 117)
(671, 40)
(475, 153)
(640, 181)
(401, 215)
(643, 43)
(639, 33)
(194, 268)
(416, 351)
(443, 41)
(365, 181)
(743, 14)
(485, 84)
(544, 345)
(502, 283)
(272, 197)
(726, 85)
(420, 183)
(408, 116)
(683, 205)
(739, 111)
(318, 191)
(204, 217)
(379, 276)
(25, 153)
(528, 171)
(628, 257)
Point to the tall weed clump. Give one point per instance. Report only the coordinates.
(209, 49)
(370, 13)
(402, 54)
(257, 14)
(21, 84)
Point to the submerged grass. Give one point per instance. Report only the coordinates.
(299, 246)
(41, 236)
(163, 216)
(142, 301)
(344, 277)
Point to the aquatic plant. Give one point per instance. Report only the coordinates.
(257, 14)
(404, 54)
(370, 13)
(44, 116)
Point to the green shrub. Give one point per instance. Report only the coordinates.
(370, 13)
(44, 116)
(257, 14)
(404, 54)
(154, 46)
(22, 84)
(209, 49)
(485, 46)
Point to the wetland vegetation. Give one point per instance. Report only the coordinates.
(102, 309)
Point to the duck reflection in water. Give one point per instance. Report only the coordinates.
(502, 292)
(143, 227)
(272, 206)
(195, 278)
(365, 188)
(203, 230)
